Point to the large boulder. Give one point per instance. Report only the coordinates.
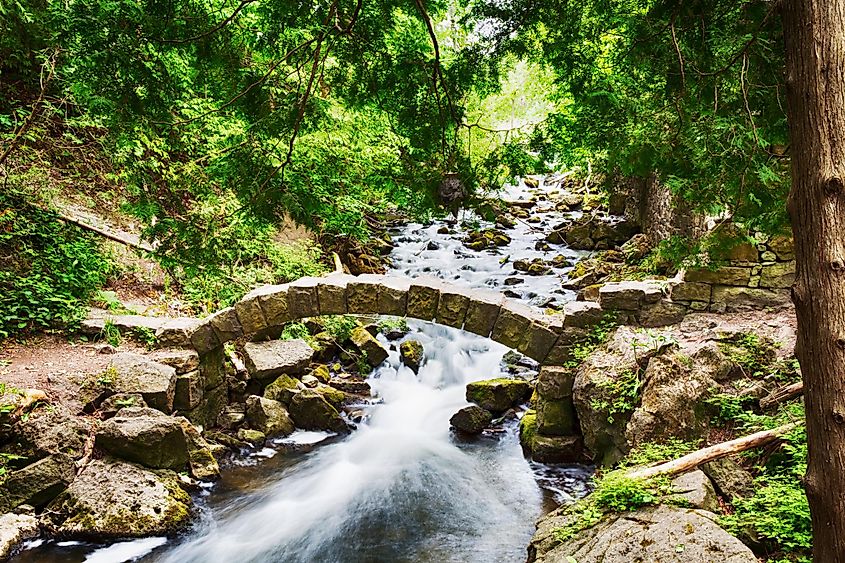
(598, 393)
(672, 403)
(373, 350)
(411, 352)
(267, 360)
(268, 416)
(133, 373)
(117, 499)
(14, 530)
(661, 533)
(310, 411)
(471, 420)
(498, 395)
(145, 436)
(38, 483)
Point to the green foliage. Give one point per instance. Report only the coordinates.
(618, 493)
(48, 269)
(597, 335)
(693, 94)
(145, 336)
(109, 301)
(650, 452)
(391, 324)
(295, 330)
(111, 333)
(778, 512)
(339, 327)
(624, 390)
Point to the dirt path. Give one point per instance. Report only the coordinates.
(54, 365)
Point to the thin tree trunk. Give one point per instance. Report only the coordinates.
(814, 36)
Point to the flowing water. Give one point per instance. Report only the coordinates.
(401, 487)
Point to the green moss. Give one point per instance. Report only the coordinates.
(528, 428)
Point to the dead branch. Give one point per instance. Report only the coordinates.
(712, 453)
(781, 395)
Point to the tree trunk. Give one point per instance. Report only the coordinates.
(814, 35)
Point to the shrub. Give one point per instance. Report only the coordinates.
(48, 269)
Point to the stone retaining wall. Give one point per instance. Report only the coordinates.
(755, 277)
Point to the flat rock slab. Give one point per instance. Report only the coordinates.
(14, 530)
(267, 360)
(663, 533)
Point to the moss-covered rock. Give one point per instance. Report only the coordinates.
(498, 395)
(268, 416)
(372, 349)
(283, 389)
(412, 352)
(114, 499)
(335, 397)
(322, 373)
(310, 411)
(471, 420)
(253, 437)
(37, 483)
(528, 429)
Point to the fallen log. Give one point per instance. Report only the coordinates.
(781, 395)
(712, 453)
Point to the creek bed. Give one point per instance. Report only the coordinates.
(401, 487)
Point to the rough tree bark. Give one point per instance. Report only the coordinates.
(814, 35)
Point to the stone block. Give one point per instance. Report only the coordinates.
(274, 303)
(189, 390)
(268, 360)
(540, 339)
(629, 295)
(362, 294)
(331, 294)
(778, 276)
(182, 360)
(38, 483)
(206, 413)
(155, 382)
(733, 299)
(555, 383)
(175, 332)
(423, 298)
(302, 298)
(452, 308)
(225, 324)
(204, 339)
(743, 252)
(250, 315)
(556, 417)
(561, 352)
(783, 246)
(393, 296)
(691, 291)
(512, 324)
(663, 313)
(557, 449)
(482, 311)
(213, 368)
(728, 275)
(582, 314)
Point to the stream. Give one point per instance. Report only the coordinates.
(401, 487)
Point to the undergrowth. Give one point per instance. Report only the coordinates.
(48, 268)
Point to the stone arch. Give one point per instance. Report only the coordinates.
(544, 338)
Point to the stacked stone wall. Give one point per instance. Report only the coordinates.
(754, 277)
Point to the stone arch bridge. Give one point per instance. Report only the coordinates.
(543, 337)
